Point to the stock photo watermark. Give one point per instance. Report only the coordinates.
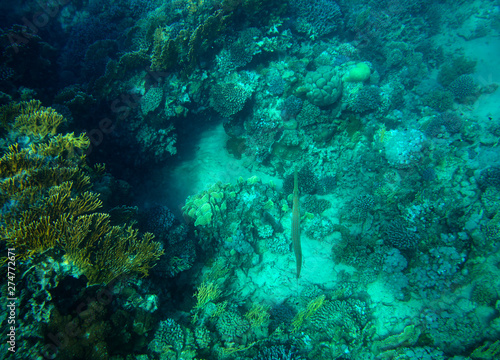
(48, 10)
(11, 300)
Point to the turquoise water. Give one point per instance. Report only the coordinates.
(147, 160)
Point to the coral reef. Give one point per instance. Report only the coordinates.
(402, 148)
(376, 104)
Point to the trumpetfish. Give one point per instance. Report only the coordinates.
(297, 249)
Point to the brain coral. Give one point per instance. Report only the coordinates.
(323, 86)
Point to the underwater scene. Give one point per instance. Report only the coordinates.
(250, 179)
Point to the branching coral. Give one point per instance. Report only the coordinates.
(462, 87)
(66, 146)
(46, 204)
(104, 252)
(316, 18)
(169, 338)
(59, 219)
(340, 319)
(38, 120)
(398, 236)
(26, 173)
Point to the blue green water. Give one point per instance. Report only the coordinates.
(147, 160)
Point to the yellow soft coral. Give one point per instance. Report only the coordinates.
(15, 161)
(30, 118)
(67, 146)
(24, 173)
(103, 252)
(207, 292)
(487, 351)
(258, 315)
(306, 313)
(47, 203)
(63, 219)
(42, 224)
(38, 120)
(8, 113)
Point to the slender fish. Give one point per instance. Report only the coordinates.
(297, 249)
